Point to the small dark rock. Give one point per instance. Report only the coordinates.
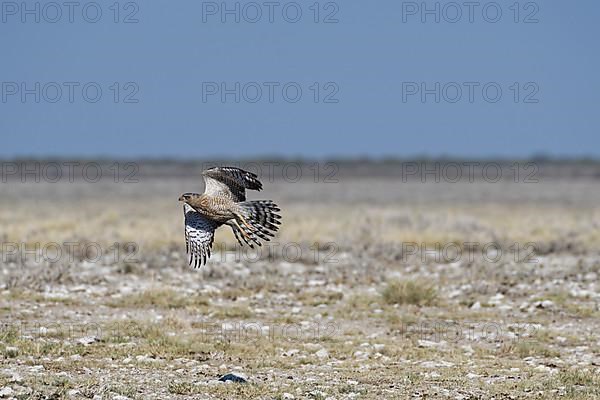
(233, 378)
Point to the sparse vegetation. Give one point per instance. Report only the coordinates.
(161, 298)
(183, 388)
(412, 292)
(151, 328)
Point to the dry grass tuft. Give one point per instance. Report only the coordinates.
(410, 292)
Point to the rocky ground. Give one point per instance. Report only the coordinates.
(375, 288)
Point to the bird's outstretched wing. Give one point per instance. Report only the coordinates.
(230, 182)
(199, 236)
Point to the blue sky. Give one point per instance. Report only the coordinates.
(361, 79)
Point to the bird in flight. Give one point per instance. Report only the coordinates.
(224, 203)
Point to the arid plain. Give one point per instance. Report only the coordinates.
(387, 280)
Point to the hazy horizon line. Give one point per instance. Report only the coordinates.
(541, 157)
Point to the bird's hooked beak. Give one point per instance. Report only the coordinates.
(181, 198)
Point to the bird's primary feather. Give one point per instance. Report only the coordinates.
(199, 236)
(230, 182)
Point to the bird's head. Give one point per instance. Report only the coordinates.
(186, 197)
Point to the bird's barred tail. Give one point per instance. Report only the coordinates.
(257, 220)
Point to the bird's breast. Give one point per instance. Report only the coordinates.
(215, 207)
